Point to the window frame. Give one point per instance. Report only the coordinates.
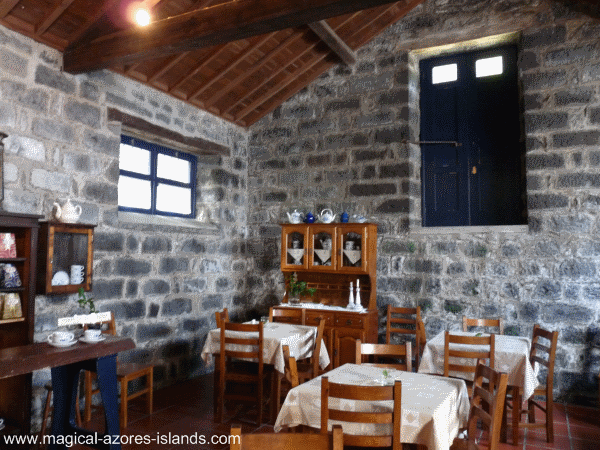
(154, 179)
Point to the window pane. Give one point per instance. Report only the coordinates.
(444, 74)
(488, 66)
(134, 159)
(173, 199)
(134, 193)
(173, 168)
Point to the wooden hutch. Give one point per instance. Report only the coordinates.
(329, 257)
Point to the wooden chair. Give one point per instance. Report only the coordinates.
(286, 441)
(453, 356)
(241, 376)
(309, 369)
(126, 372)
(291, 315)
(48, 409)
(544, 353)
(220, 316)
(406, 322)
(470, 322)
(487, 405)
(386, 355)
(291, 380)
(370, 393)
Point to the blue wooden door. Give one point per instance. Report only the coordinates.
(472, 170)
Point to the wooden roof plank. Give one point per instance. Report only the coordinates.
(234, 62)
(204, 27)
(43, 27)
(6, 7)
(191, 74)
(333, 41)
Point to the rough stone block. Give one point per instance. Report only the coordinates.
(576, 138)
(54, 80)
(109, 242)
(456, 268)
(545, 121)
(578, 180)
(131, 289)
(422, 266)
(318, 160)
(342, 105)
(545, 201)
(51, 181)
(104, 289)
(132, 267)
(13, 64)
(156, 245)
(112, 98)
(544, 80)
(394, 206)
(395, 171)
(55, 131)
(343, 141)
(316, 127)
(8, 116)
(363, 190)
(544, 37)
(575, 269)
(574, 96)
(393, 97)
(101, 192)
(369, 83)
(225, 178)
(128, 310)
(389, 136)
(149, 332)
(212, 301)
(25, 147)
(374, 120)
(156, 287)
(35, 99)
(177, 307)
(547, 161)
(83, 113)
(170, 265)
(107, 145)
(547, 290)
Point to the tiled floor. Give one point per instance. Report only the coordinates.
(186, 410)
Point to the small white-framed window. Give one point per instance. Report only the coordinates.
(156, 180)
(486, 67)
(444, 74)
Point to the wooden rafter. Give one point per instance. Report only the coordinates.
(204, 27)
(196, 70)
(333, 41)
(48, 21)
(6, 7)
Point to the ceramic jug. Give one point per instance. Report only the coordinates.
(309, 218)
(327, 216)
(295, 217)
(68, 213)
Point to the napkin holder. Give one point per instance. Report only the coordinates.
(84, 319)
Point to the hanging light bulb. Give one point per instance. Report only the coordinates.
(142, 17)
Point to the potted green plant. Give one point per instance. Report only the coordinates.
(297, 289)
(85, 302)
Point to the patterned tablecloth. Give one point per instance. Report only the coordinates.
(512, 357)
(433, 407)
(299, 338)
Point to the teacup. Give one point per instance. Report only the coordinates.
(92, 335)
(62, 337)
(77, 274)
(349, 245)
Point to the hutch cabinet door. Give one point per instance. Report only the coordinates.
(344, 345)
(322, 243)
(352, 245)
(294, 251)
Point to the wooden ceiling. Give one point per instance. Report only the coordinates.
(237, 59)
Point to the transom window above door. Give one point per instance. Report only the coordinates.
(156, 180)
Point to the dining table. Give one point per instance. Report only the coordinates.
(299, 338)
(434, 408)
(511, 356)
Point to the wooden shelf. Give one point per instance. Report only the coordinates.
(18, 319)
(12, 260)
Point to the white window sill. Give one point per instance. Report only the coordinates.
(523, 229)
(147, 219)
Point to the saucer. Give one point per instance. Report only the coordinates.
(61, 344)
(83, 339)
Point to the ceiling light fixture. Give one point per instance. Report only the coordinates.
(142, 17)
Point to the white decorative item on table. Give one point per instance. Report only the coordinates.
(357, 300)
(351, 298)
(68, 213)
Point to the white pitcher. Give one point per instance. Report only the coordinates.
(68, 213)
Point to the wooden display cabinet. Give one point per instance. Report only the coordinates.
(329, 257)
(15, 392)
(63, 245)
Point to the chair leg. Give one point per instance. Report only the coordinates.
(87, 411)
(516, 414)
(123, 407)
(260, 401)
(45, 418)
(150, 384)
(549, 419)
(275, 394)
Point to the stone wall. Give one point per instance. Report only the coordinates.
(164, 282)
(339, 144)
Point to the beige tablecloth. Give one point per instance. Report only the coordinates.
(512, 357)
(299, 338)
(433, 408)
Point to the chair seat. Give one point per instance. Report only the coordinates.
(132, 370)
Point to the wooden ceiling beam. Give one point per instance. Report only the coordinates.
(204, 27)
(333, 41)
(215, 54)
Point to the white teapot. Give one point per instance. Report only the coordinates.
(295, 217)
(327, 216)
(68, 213)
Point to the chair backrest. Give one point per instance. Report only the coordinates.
(393, 416)
(472, 322)
(111, 327)
(220, 316)
(287, 315)
(241, 340)
(543, 353)
(290, 368)
(406, 322)
(475, 348)
(487, 405)
(286, 441)
(386, 355)
(317, 349)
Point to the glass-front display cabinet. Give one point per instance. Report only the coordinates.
(65, 258)
(352, 244)
(323, 246)
(294, 239)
